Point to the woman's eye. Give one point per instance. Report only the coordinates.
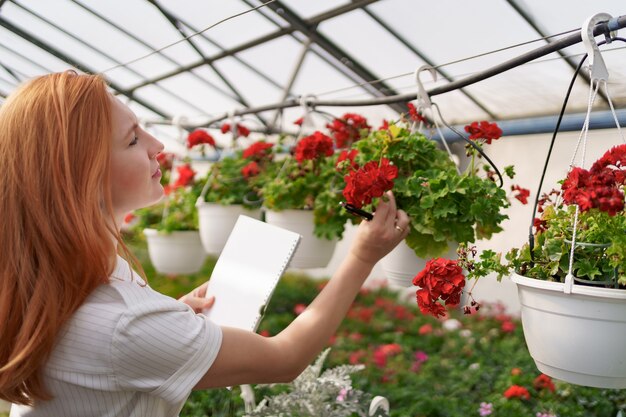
(134, 141)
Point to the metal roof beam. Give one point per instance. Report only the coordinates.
(427, 60)
(143, 43)
(174, 21)
(107, 56)
(520, 10)
(263, 39)
(310, 30)
(82, 67)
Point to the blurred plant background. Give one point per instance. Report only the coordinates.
(458, 366)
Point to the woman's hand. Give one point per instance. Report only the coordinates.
(377, 237)
(197, 299)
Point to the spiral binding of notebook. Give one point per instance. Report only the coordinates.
(247, 271)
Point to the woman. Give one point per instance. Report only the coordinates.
(80, 333)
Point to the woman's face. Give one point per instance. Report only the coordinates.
(135, 173)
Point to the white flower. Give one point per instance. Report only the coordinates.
(452, 324)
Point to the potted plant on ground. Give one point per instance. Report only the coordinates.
(171, 226)
(446, 206)
(571, 276)
(230, 189)
(303, 195)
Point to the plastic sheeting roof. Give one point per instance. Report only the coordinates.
(253, 59)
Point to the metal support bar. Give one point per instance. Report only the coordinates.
(568, 60)
(427, 60)
(335, 51)
(292, 79)
(455, 85)
(82, 67)
(143, 43)
(255, 42)
(107, 56)
(177, 25)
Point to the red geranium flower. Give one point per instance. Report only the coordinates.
(251, 169)
(347, 129)
(185, 175)
(348, 155)
(299, 121)
(543, 381)
(522, 193)
(258, 150)
(313, 146)
(241, 130)
(415, 115)
(516, 391)
(369, 181)
(199, 137)
(440, 279)
(484, 130)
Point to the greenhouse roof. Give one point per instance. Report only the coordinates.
(203, 60)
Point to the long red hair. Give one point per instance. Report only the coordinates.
(56, 225)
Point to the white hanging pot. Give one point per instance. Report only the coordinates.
(312, 251)
(216, 221)
(402, 264)
(178, 252)
(577, 337)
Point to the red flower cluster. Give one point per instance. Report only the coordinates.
(369, 181)
(313, 146)
(199, 137)
(165, 160)
(250, 170)
(440, 279)
(601, 186)
(258, 150)
(382, 352)
(516, 391)
(415, 115)
(349, 156)
(185, 177)
(484, 130)
(543, 381)
(241, 129)
(522, 193)
(347, 130)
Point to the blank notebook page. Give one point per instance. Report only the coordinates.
(254, 258)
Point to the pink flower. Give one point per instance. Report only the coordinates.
(299, 309)
(485, 409)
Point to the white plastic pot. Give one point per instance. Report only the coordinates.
(178, 252)
(577, 337)
(216, 221)
(312, 251)
(402, 264)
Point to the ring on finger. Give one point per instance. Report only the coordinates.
(399, 229)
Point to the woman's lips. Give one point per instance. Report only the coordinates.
(157, 174)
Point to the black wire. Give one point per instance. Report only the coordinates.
(531, 236)
(478, 148)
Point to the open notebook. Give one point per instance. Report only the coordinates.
(254, 258)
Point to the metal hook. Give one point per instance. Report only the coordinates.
(596, 62)
(179, 121)
(423, 100)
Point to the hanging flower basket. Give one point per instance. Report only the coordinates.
(578, 337)
(177, 252)
(217, 221)
(312, 251)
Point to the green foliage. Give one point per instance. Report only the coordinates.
(227, 184)
(600, 253)
(474, 363)
(176, 211)
(311, 185)
(444, 205)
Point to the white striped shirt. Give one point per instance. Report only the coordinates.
(127, 351)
